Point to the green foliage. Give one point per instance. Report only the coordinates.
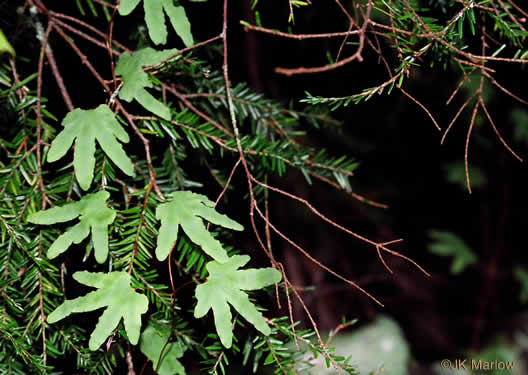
(155, 19)
(456, 174)
(85, 127)
(95, 216)
(125, 236)
(154, 343)
(294, 352)
(449, 244)
(115, 293)
(520, 121)
(135, 80)
(33, 286)
(5, 46)
(522, 277)
(187, 209)
(191, 136)
(225, 286)
(92, 6)
(423, 38)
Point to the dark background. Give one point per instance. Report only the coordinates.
(403, 165)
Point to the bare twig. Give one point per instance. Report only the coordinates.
(248, 27)
(422, 107)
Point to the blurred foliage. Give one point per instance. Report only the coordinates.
(456, 174)
(449, 244)
(522, 277)
(377, 348)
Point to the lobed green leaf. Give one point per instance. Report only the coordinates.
(188, 209)
(114, 293)
(136, 80)
(85, 127)
(155, 19)
(153, 342)
(225, 287)
(94, 216)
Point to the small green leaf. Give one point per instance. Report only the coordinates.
(135, 80)
(94, 215)
(4, 45)
(152, 342)
(225, 287)
(187, 209)
(114, 293)
(449, 244)
(85, 127)
(155, 19)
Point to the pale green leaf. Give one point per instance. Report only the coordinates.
(85, 127)
(179, 21)
(187, 209)
(127, 6)
(4, 45)
(152, 342)
(225, 286)
(94, 215)
(155, 19)
(114, 293)
(136, 80)
(449, 244)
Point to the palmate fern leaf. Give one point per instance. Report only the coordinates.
(224, 288)
(136, 81)
(113, 292)
(85, 127)
(187, 209)
(94, 216)
(155, 18)
(154, 342)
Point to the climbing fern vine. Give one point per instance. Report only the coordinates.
(115, 255)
